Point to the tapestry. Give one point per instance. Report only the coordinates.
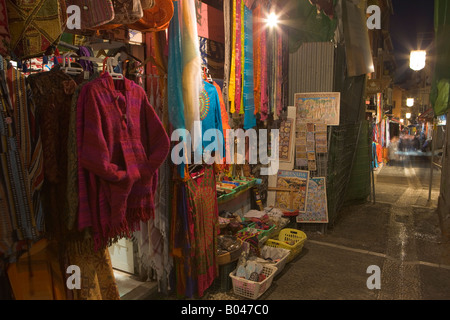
(316, 208)
(292, 180)
(34, 25)
(321, 107)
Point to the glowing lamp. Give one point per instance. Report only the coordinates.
(417, 59)
(410, 102)
(408, 115)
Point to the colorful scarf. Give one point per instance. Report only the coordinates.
(248, 87)
(192, 77)
(232, 84)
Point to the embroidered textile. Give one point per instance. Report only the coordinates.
(202, 206)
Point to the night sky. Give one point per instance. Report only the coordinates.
(410, 18)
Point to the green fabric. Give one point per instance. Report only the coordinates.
(307, 25)
(440, 87)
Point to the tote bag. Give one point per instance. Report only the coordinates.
(127, 11)
(94, 13)
(34, 25)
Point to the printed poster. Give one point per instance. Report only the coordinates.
(321, 107)
(292, 179)
(286, 129)
(316, 208)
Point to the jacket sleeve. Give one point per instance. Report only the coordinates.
(95, 156)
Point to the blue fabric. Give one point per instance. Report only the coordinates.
(211, 116)
(248, 87)
(175, 69)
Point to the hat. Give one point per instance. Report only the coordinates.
(156, 17)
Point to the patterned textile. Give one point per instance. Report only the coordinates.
(258, 28)
(232, 81)
(228, 42)
(182, 242)
(121, 144)
(264, 76)
(239, 53)
(203, 208)
(34, 25)
(248, 84)
(6, 229)
(97, 275)
(94, 13)
(14, 173)
(212, 53)
(52, 93)
(5, 37)
(72, 161)
(28, 137)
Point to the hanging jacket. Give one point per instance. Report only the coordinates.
(123, 143)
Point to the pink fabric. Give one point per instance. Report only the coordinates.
(264, 96)
(238, 57)
(121, 144)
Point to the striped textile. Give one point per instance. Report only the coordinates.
(15, 177)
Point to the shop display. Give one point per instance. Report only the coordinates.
(87, 164)
(318, 107)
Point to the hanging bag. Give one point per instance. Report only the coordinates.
(127, 11)
(94, 13)
(34, 25)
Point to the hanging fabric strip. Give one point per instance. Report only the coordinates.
(248, 88)
(239, 46)
(232, 84)
(257, 29)
(174, 79)
(226, 69)
(192, 77)
(241, 109)
(264, 75)
(279, 72)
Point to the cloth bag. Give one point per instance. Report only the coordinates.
(94, 13)
(127, 11)
(34, 25)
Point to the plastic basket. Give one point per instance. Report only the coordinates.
(280, 264)
(297, 236)
(263, 233)
(251, 289)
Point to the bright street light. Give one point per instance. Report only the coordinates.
(417, 59)
(410, 102)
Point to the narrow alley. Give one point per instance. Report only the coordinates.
(399, 233)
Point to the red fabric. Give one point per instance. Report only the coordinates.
(379, 153)
(122, 144)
